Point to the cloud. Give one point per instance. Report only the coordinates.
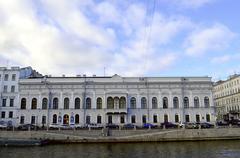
(85, 36)
(225, 58)
(215, 38)
(192, 3)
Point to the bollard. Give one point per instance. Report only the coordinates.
(135, 128)
(164, 127)
(149, 127)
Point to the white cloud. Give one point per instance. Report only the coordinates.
(192, 3)
(215, 38)
(225, 58)
(83, 37)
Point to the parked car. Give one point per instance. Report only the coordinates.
(190, 125)
(206, 125)
(169, 125)
(77, 126)
(111, 125)
(180, 124)
(129, 126)
(54, 126)
(3, 126)
(94, 125)
(221, 123)
(28, 127)
(149, 125)
(234, 122)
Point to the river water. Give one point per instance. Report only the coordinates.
(202, 149)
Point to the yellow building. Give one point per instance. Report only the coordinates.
(227, 98)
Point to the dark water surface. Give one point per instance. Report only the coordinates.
(203, 149)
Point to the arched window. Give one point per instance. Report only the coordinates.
(197, 118)
(116, 102)
(208, 118)
(155, 118)
(44, 103)
(165, 103)
(55, 118)
(66, 103)
(133, 103)
(88, 103)
(196, 102)
(186, 102)
(175, 103)
(34, 103)
(99, 103)
(23, 103)
(110, 103)
(55, 103)
(122, 103)
(206, 102)
(77, 103)
(76, 119)
(154, 103)
(143, 103)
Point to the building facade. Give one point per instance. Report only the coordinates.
(227, 98)
(115, 99)
(9, 91)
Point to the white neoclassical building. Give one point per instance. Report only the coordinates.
(115, 99)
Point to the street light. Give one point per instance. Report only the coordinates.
(47, 85)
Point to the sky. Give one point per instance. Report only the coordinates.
(127, 37)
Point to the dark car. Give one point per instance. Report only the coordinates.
(221, 123)
(28, 127)
(149, 125)
(234, 122)
(129, 126)
(206, 125)
(169, 125)
(111, 125)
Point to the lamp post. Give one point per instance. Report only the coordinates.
(47, 85)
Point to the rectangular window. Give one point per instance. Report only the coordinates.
(10, 114)
(144, 119)
(99, 119)
(3, 114)
(33, 120)
(12, 88)
(176, 118)
(155, 119)
(43, 119)
(109, 119)
(187, 119)
(4, 102)
(88, 119)
(208, 118)
(6, 77)
(5, 89)
(133, 119)
(197, 118)
(122, 120)
(22, 120)
(11, 102)
(13, 77)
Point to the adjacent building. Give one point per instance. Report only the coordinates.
(227, 98)
(114, 99)
(9, 91)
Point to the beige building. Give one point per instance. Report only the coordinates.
(227, 98)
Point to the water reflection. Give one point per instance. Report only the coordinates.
(209, 149)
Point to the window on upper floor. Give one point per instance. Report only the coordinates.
(11, 102)
(5, 88)
(12, 88)
(165, 103)
(3, 114)
(13, 77)
(133, 103)
(6, 77)
(4, 102)
(10, 114)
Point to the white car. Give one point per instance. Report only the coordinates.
(54, 126)
(94, 125)
(3, 126)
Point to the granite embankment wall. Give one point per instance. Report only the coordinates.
(126, 136)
